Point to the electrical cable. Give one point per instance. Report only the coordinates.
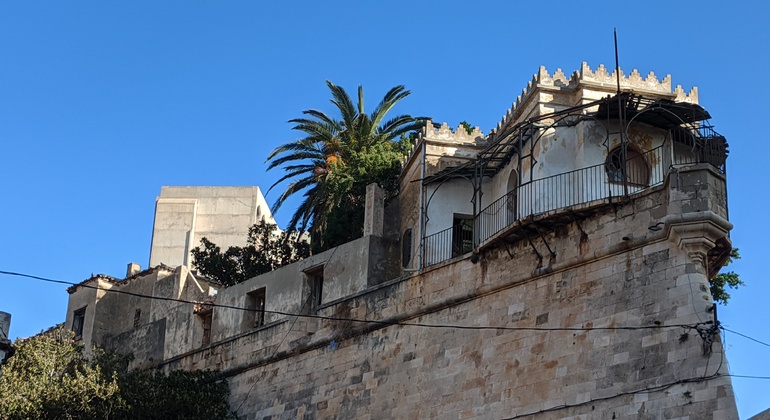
(621, 394)
(363, 321)
(551, 409)
(748, 376)
(647, 390)
(747, 337)
(291, 327)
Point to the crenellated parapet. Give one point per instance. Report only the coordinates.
(633, 81)
(446, 134)
(600, 79)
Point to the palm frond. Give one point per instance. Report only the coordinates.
(292, 174)
(343, 103)
(402, 124)
(388, 102)
(311, 164)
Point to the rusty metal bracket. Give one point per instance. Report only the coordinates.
(583, 234)
(539, 257)
(553, 254)
(507, 249)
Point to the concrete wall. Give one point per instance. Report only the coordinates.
(184, 215)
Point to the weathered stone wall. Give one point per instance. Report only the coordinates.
(347, 270)
(96, 323)
(621, 289)
(119, 316)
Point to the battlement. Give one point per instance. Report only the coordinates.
(601, 79)
(445, 133)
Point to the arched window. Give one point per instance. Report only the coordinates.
(406, 248)
(511, 201)
(635, 171)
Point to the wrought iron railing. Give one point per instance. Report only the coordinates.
(581, 187)
(700, 145)
(571, 189)
(553, 193)
(447, 244)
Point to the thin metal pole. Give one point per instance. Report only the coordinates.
(621, 119)
(617, 62)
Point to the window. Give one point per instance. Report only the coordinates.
(511, 200)
(204, 314)
(137, 317)
(406, 248)
(206, 323)
(78, 320)
(255, 303)
(634, 172)
(462, 235)
(315, 278)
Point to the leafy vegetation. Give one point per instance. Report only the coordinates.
(467, 126)
(729, 279)
(266, 249)
(380, 165)
(335, 161)
(50, 378)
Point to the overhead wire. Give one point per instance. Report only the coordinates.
(460, 327)
(291, 327)
(645, 390)
(363, 321)
(746, 337)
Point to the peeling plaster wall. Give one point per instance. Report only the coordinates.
(446, 200)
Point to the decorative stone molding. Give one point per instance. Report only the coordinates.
(444, 133)
(698, 233)
(598, 78)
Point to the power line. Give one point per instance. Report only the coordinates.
(747, 337)
(621, 394)
(748, 376)
(645, 390)
(363, 321)
(251, 388)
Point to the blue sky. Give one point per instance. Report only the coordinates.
(102, 103)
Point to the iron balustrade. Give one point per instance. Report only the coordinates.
(447, 244)
(558, 192)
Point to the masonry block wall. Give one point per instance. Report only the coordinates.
(605, 327)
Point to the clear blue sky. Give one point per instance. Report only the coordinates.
(103, 102)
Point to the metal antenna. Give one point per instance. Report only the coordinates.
(621, 116)
(617, 62)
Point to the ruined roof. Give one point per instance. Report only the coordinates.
(113, 280)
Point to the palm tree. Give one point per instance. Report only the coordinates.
(329, 146)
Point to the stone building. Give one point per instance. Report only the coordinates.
(556, 267)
